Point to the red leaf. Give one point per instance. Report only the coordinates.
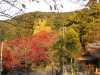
(50, 7)
(23, 5)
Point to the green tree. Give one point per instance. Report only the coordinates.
(67, 46)
(73, 45)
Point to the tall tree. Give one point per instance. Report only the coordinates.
(68, 46)
(73, 45)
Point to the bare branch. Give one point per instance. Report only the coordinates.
(81, 2)
(10, 8)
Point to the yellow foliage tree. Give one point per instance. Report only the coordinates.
(40, 25)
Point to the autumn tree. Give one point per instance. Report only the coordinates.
(32, 49)
(40, 25)
(22, 50)
(8, 62)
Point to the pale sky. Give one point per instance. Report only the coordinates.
(42, 6)
(34, 6)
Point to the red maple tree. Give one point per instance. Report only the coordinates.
(31, 49)
(45, 39)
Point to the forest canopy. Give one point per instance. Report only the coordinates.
(81, 27)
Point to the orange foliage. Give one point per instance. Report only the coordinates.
(31, 49)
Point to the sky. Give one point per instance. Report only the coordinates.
(44, 7)
(68, 6)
